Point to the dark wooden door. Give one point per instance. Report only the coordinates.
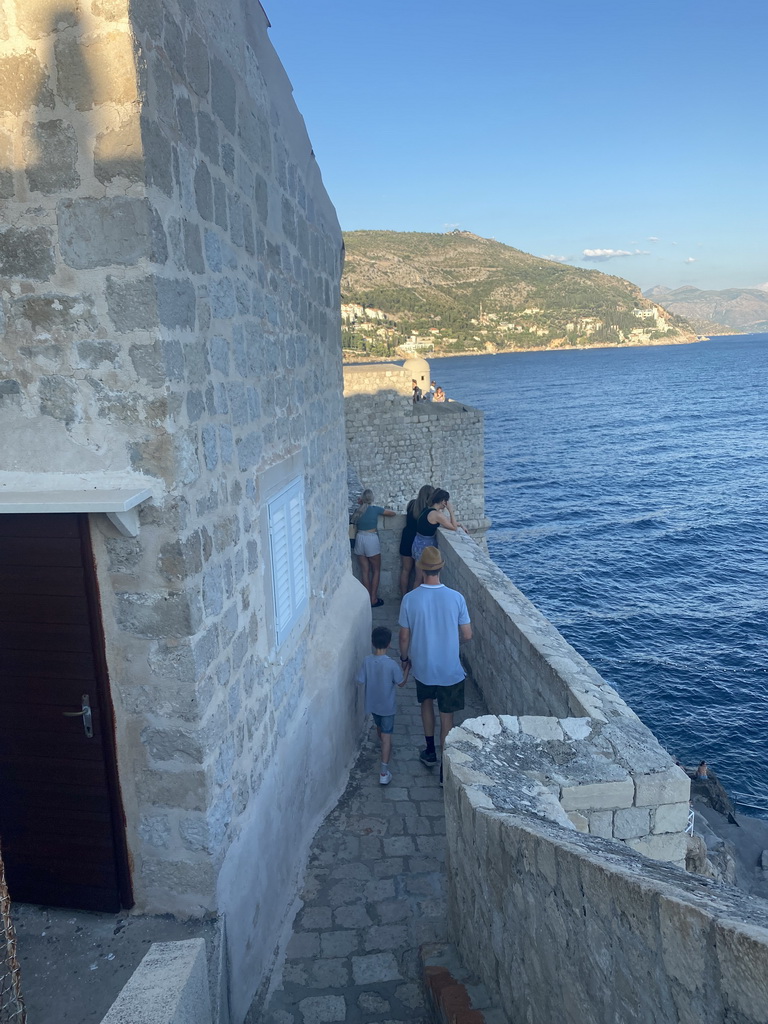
(61, 823)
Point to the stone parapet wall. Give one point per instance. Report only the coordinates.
(371, 378)
(395, 446)
(581, 930)
(566, 728)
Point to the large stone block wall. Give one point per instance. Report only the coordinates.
(169, 276)
(395, 446)
(581, 930)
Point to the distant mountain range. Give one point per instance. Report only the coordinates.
(409, 292)
(739, 310)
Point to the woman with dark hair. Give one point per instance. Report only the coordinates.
(367, 545)
(439, 513)
(415, 507)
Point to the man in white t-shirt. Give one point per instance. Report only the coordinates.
(433, 622)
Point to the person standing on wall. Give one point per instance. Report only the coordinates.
(367, 544)
(434, 621)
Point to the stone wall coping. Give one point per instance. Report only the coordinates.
(170, 986)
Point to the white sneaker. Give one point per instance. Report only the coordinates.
(385, 777)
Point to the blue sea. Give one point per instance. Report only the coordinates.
(628, 490)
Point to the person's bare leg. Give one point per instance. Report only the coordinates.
(406, 564)
(375, 561)
(365, 572)
(428, 717)
(418, 578)
(386, 747)
(446, 724)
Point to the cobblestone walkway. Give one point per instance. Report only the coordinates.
(375, 886)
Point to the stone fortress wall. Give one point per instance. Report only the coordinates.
(560, 920)
(395, 445)
(169, 288)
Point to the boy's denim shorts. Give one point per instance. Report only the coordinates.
(385, 722)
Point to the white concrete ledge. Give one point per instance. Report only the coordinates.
(170, 986)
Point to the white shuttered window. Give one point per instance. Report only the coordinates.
(290, 589)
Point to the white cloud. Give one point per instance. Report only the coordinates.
(556, 259)
(691, 259)
(598, 255)
(653, 238)
(763, 287)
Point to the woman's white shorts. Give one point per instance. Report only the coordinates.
(367, 543)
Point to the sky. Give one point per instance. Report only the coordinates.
(628, 136)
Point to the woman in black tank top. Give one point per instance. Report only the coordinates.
(439, 513)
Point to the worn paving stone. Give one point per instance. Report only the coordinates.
(367, 970)
(374, 891)
(323, 1009)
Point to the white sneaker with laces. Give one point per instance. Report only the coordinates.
(385, 777)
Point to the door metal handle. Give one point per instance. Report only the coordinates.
(86, 715)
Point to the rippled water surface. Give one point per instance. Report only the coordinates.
(629, 495)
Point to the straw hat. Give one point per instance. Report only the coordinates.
(430, 560)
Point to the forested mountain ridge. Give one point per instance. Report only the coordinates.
(458, 292)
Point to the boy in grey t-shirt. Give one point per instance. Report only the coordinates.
(380, 674)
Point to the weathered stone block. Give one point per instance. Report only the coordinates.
(38, 18)
(193, 248)
(541, 727)
(204, 192)
(80, 63)
(51, 313)
(632, 823)
(6, 162)
(669, 847)
(176, 302)
(597, 796)
(110, 10)
(118, 153)
(197, 64)
(50, 156)
(26, 252)
(158, 156)
(670, 818)
(103, 232)
(671, 786)
(601, 824)
(158, 615)
(132, 304)
(580, 823)
(24, 83)
(223, 94)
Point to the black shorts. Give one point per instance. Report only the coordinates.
(449, 698)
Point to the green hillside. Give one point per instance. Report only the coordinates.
(463, 293)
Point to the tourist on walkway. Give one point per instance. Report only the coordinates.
(367, 544)
(433, 622)
(380, 674)
(439, 513)
(439, 395)
(416, 390)
(415, 507)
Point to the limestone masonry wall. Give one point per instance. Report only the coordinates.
(603, 772)
(395, 446)
(581, 930)
(169, 292)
